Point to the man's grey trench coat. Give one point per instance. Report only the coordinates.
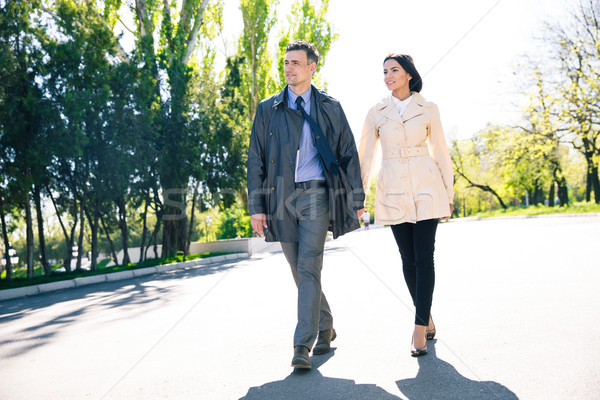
(272, 154)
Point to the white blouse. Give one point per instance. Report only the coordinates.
(402, 104)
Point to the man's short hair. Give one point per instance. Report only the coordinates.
(312, 54)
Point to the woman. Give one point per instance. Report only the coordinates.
(414, 185)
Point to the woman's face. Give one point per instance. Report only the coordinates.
(394, 76)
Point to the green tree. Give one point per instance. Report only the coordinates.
(168, 64)
(82, 80)
(25, 114)
(258, 81)
(308, 22)
(473, 161)
(577, 52)
(543, 139)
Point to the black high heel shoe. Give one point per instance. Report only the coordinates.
(414, 352)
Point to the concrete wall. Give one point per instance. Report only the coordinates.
(243, 245)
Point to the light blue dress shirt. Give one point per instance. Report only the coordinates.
(308, 161)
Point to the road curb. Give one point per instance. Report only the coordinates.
(34, 290)
(469, 219)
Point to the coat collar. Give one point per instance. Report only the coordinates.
(281, 97)
(414, 109)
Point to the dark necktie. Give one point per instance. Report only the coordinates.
(320, 140)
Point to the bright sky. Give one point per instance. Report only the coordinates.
(465, 50)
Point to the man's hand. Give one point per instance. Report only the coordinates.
(259, 221)
(360, 212)
(451, 211)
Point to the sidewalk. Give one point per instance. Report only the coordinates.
(510, 299)
(33, 290)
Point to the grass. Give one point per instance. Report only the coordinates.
(574, 208)
(20, 274)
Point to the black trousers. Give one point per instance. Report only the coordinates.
(416, 244)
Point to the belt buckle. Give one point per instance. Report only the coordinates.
(402, 152)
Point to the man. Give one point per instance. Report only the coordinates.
(303, 179)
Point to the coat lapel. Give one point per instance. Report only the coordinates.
(320, 108)
(415, 107)
(389, 110)
(280, 98)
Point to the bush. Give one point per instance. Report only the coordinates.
(234, 222)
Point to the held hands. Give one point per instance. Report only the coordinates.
(451, 211)
(259, 221)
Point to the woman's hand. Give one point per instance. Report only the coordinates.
(451, 211)
(360, 212)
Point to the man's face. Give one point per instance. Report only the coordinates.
(298, 71)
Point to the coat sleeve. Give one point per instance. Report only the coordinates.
(348, 158)
(367, 149)
(256, 173)
(439, 152)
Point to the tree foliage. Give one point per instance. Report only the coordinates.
(123, 147)
(257, 80)
(308, 22)
(536, 161)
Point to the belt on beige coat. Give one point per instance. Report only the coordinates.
(405, 152)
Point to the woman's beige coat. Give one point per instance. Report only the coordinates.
(415, 178)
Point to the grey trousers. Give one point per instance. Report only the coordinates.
(306, 261)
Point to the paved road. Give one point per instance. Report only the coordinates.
(516, 306)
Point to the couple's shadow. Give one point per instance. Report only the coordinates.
(311, 384)
(436, 379)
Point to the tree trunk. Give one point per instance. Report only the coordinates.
(486, 188)
(6, 241)
(94, 226)
(110, 242)
(191, 227)
(592, 184)
(154, 239)
(80, 239)
(68, 239)
(29, 224)
(538, 194)
(72, 236)
(153, 242)
(561, 185)
(173, 236)
(94, 223)
(563, 193)
(588, 185)
(40, 224)
(175, 174)
(144, 230)
(595, 182)
(551, 194)
(158, 207)
(124, 230)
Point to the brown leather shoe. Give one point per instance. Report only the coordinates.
(301, 358)
(324, 341)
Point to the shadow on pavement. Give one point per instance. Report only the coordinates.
(92, 299)
(437, 379)
(108, 292)
(311, 384)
